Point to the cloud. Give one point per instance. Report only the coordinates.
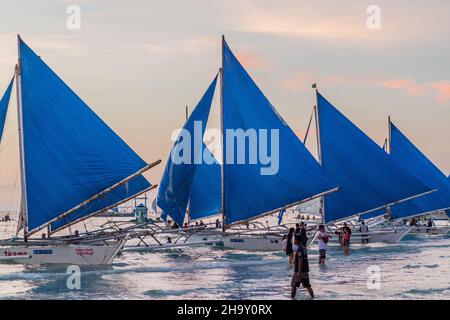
(251, 60)
(439, 90)
(408, 85)
(303, 81)
(442, 88)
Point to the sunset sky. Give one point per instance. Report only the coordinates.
(137, 63)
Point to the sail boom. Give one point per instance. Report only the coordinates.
(104, 209)
(423, 214)
(97, 196)
(384, 206)
(323, 194)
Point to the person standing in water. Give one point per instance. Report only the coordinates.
(323, 244)
(346, 234)
(301, 269)
(289, 246)
(364, 229)
(303, 233)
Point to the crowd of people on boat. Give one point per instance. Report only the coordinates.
(5, 218)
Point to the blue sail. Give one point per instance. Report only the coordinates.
(367, 177)
(176, 183)
(205, 199)
(406, 154)
(4, 103)
(249, 193)
(70, 154)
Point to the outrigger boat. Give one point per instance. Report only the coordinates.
(72, 167)
(233, 189)
(407, 155)
(371, 182)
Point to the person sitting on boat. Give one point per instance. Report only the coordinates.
(201, 223)
(76, 234)
(364, 229)
(323, 239)
(413, 222)
(301, 269)
(186, 226)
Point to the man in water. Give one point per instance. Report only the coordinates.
(364, 229)
(301, 269)
(323, 244)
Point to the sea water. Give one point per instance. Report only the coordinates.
(416, 268)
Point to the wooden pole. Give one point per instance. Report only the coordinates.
(223, 139)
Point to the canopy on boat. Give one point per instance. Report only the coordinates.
(69, 154)
(406, 154)
(367, 177)
(248, 191)
(4, 103)
(178, 177)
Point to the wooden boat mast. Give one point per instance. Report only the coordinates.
(319, 148)
(23, 211)
(222, 127)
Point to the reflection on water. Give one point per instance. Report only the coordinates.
(416, 268)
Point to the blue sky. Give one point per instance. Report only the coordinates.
(138, 63)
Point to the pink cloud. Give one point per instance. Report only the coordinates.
(251, 60)
(303, 81)
(440, 90)
(298, 82)
(408, 85)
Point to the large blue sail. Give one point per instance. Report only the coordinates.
(4, 103)
(249, 193)
(70, 154)
(367, 177)
(176, 183)
(406, 154)
(205, 199)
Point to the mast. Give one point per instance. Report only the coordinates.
(388, 145)
(223, 139)
(188, 213)
(388, 150)
(23, 214)
(319, 148)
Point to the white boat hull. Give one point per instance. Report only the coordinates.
(253, 243)
(71, 254)
(386, 236)
(429, 230)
